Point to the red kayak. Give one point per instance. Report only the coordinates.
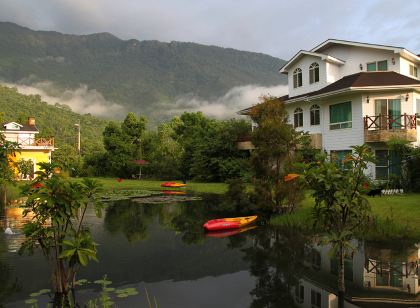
(229, 223)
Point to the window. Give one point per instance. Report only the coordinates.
(299, 293)
(316, 260)
(315, 299)
(383, 65)
(339, 156)
(340, 116)
(298, 117)
(386, 163)
(297, 78)
(413, 70)
(371, 67)
(314, 73)
(389, 113)
(377, 66)
(315, 115)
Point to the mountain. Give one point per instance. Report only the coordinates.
(52, 121)
(142, 76)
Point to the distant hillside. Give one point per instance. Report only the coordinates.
(143, 76)
(52, 121)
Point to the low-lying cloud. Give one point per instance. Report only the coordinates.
(228, 105)
(81, 100)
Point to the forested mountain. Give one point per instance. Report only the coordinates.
(52, 121)
(143, 76)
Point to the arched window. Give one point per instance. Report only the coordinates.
(298, 117)
(315, 115)
(314, 73)
(297, 78)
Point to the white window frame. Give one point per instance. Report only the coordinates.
(315, 113)
(297, 78)
(313, 69)
(298, 117)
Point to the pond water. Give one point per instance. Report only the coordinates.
(162, 249)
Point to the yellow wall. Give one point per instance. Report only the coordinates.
(37, 156)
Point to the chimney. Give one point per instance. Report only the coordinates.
(31, 121)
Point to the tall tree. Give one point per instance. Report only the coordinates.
(276, 144)
(340, 207)
(123, 144)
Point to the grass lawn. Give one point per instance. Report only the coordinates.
(112, 183)
(397, 216)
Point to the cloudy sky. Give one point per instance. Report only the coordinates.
(276, 27)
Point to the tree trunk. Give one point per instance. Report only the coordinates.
(341, 282)
(3, 195)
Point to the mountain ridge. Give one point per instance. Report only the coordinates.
(142, 76)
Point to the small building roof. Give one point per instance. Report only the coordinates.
(22, 128)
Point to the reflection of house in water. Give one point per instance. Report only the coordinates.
(373, 276)
(313, 295)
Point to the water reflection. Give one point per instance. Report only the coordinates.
(164, 247)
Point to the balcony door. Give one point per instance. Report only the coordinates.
(389, 113)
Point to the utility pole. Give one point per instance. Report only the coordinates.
(78, 137)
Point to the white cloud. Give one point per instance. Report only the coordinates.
(228, 105)
(81, 100)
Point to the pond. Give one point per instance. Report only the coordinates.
(161, 249)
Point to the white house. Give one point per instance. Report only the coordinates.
(348, 93)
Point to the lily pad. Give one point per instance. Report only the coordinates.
(35, 294)
(31, 301)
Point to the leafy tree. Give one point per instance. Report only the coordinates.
(7, 174)
(25, 167)
(276, 144)
(67, 157)
(340, 207)
(123, 144)
(58, 229)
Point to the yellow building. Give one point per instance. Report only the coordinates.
(35, 149)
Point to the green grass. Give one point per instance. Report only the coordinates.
(112, 183)
(395, 217)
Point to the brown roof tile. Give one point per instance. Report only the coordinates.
(364, 79)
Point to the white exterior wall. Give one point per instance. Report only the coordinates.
(333, 72)
(338, 139)
(306, 87)
(354, 56)
(405, 68)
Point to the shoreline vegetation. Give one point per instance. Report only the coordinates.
(393, 217)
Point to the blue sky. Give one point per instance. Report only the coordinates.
(276, 27)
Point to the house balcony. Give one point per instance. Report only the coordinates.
(33, 143)
(383, 128)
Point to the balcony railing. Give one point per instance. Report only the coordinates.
(385, 122)
(383, 128)
(39, 142)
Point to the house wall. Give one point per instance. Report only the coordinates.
(405, 68)
(304, 63)
(339, 139)
(37, 156)
(354, 56)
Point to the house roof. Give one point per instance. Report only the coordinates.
(400, 50)
(23, 128)
(363, 80)
(302, 53)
